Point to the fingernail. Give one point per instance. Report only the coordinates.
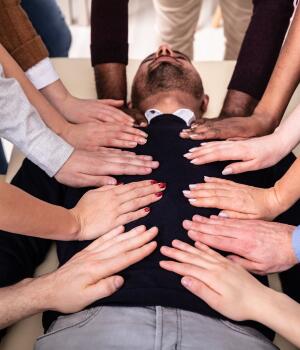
(142, 141)
(159, 194)
(193, 186)
(223, 215)
(155, 164)
(162, 185)
(118, 282)
(207, 178)
(112, 182)
(227, 171)
(194, 161)
(153, 182)
(147, 209)
(193, 149)
(186, 193)
(186, 282)
(187, 155)
(133, 144)
(192, 200)
(203, 143)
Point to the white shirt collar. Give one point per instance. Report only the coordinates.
(185, 114)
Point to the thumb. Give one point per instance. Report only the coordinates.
(106, 287)
(200, 289)
(239, 167)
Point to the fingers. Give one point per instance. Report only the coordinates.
(122, 261)
(124, 159)
(139, 189)
(132, 216)
(126, 242)
(202, 261)
(237, 215)
(85, 180)
(106, 237)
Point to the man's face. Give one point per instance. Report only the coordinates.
(165, 71)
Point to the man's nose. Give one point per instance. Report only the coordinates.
(164, 50)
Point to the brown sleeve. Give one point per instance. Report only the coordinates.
(18, 36)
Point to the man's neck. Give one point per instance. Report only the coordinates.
(169, 102)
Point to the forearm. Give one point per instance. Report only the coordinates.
(19, 301)
(237, 104)
(49, 221)
(49, 115)
(261, 47)
(282, 314)
(285, 77)
(111, 81)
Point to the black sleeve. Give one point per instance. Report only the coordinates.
(290, 280)
(20, 255)
(261, 46)
(109, 31)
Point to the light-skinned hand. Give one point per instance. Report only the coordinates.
(253, 154)
(92, 136)
(95, 169)
(90, 274)
(237, 201)
(222, 284)
(103, 209)
(253, 244)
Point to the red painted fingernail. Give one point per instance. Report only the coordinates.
(153, 182)
(158, 194)
(147, 209)
(162, 185)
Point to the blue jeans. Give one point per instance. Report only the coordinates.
(48, 21)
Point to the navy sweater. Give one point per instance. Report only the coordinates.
(145, 282)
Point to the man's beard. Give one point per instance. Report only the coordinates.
(166, 77)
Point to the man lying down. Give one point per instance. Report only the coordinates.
(152, 310)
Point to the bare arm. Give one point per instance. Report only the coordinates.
(96, 213)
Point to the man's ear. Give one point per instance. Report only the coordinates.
(204, 104)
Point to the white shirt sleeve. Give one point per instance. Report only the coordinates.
(21, 124)
(42, 74)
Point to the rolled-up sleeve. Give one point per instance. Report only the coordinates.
(261, 46)
(21, 124)
(109, 31)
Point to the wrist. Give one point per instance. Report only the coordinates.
(276, 201)
(267, 307)
(75, 226)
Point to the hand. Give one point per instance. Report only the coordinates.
(254, 154)
(89, 275)
(78, 110)
(237, 201)
(254, 243)
(228, 128)
(93, 136)
(221, 283)
(101, 210)
(84, 169)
